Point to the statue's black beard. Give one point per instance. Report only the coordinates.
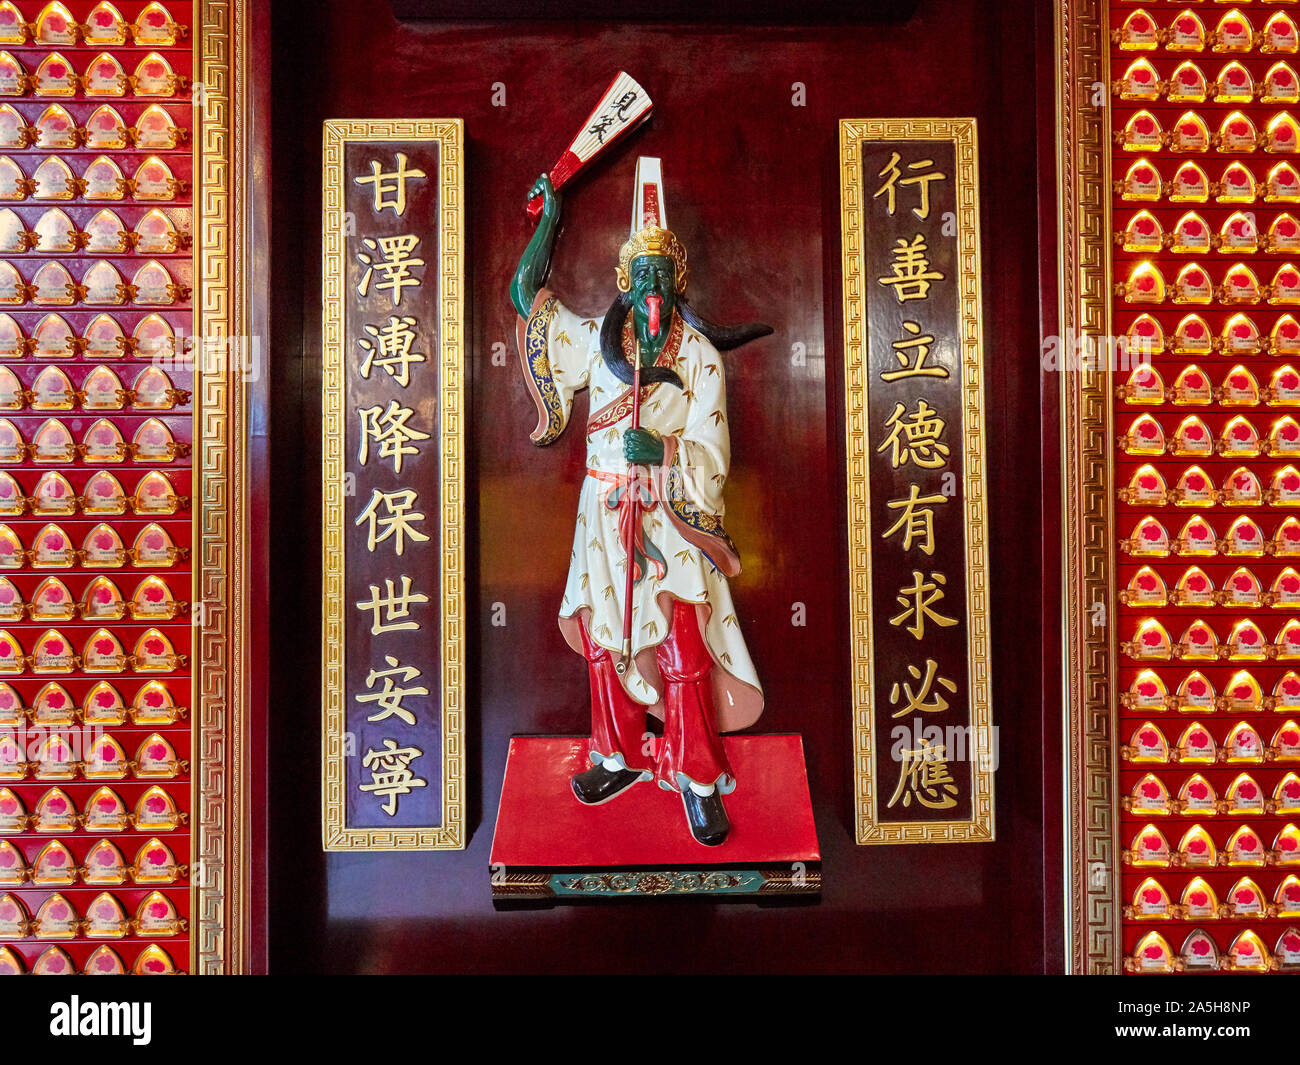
(723, 338)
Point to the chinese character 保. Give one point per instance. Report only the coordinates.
(394, 265)
(390, 773)
(389, 185)
(923, 775)
(892, 175)
(395, 521)
(389, 697)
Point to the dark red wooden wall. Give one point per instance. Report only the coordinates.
(753, 190)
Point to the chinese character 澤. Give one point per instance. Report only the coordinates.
(390, 696)
(390, 773)
(395, 265)
(389, 185)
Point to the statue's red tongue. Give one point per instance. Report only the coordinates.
(652, 305)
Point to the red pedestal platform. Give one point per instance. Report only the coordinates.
(549, 846)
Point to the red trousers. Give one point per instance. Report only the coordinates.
(690, 748)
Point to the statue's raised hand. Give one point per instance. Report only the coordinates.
(550, 198)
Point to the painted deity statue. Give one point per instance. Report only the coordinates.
(651, 500)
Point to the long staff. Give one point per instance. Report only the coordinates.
(629, 537)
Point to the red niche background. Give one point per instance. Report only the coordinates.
(752, 184)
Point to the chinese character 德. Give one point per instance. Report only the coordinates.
(916, 437)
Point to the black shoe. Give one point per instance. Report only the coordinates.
(599, 784)
(706, 816)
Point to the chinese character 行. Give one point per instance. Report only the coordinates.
(891, 174)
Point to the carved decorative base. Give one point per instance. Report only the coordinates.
(550, 847)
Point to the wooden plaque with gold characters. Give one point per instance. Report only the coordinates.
(924, 743)
(129, 358)
(394, 603)
(1178, 191)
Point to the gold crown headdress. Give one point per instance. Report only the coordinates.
(650, 232)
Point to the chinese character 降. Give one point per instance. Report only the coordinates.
(917, 602)
(394, 606)
(395, 521)
(389, 429)
(389, 183)
(912, 274)
(395, 265)
(391, 349)
(391, 695)
(390, 773)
